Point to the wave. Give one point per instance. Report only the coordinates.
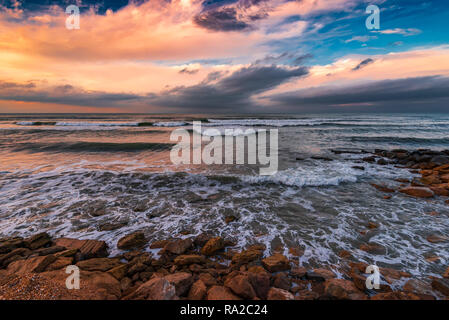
(92, 147)
(399, 140)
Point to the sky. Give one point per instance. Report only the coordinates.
(224, 56)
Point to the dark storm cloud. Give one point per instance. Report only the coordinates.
(393, 95)
(233, 92)
(221, 19)
(65, 94)
(363, 64)
(285, 58)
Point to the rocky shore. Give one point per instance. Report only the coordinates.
(207, 267)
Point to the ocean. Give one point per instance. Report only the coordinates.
(102, 176)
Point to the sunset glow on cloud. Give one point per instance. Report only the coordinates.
(191, 55)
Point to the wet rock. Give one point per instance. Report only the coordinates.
(279, 294)
(306, 295)
(323, 273)
(178, 246)
(197, 291)
(97, 208)
(341, 289)
(212, 246)
(298, 272)
(154, 289)
(276, 262)
(221, 293)
(446, 273)
(182, 282)
(383, 188)
(37, 241)
(260, 282)
(441, 285)
(132, 241)
(282, 281)
(382, 162)
(437, 239)
(372, 225)
(440, 191)
(109, 226)
(418, 192)
(440, 160)
(159, 244)
(431, 179)
(14, 255)
(229, 219)
(207, 279)
(246, 256)
(66, 253)
(373, 248)
(87, 248)
(48, 250)
(189, 259)
(345, 254)
(202, 239)
(30, 265)
(9, 244)
(418, 287)
(98, 264)
(358, 168)
(241, 286)
(370, 159)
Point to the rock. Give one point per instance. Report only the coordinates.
(298, 272)
(345, 254)
(396, 295)
(178, 246)
(441, 285)
(439, 191)
(197, 291)
(159, 244)
(87, 248)
(418, 192)
(207, 279)
(260, 282)
(202, 239)
(48, 250)
(35, 264)
(382, 162)
(132, 241)
(221, 293)
(282, 281)
(67, 253)
(98, 264)
(119, 272)
(109, 226)
(373, 248)
(358, 168)
(436, 238)
(392, 274)
(246, 256)
(229, 219)
(370, 159)
(188, 259)
(279, 294)
(342, 290)
(440, 160)
(212, 246)
(16, 254)
(382, 188)
(372, 225)
(276, 262)
(59, 263)
(417, 287)
(241, 286)
(430, 179)
(446, 273)
(9, 244)
(182, 282)
(37, 241)
(305, 294)
(322, 273)
(154, 289)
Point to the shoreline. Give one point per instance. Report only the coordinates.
(207, 267)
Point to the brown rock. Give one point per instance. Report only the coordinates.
(372, 225)
(154, 289)
(396, 295)
(207, 279)
(433, 213)
(430, 179)
(441, 285)
(30, 265)
(418, 192)
(119, 272)
(182, 282)
(132, 241)
(87, 248)
(298, 272)
(188, 259)
(67, 253)
(246, 256)
(197, 291)
(229, 219)
(202, 239)
(276, 262)
(212, 246)
(305, 294)
(437, 239)
(178, 246)
(345, 254)
(221, 293)
(342, 290)
(9, 244)
(440, 191)
(446, 273)
(98, 264)
(373, 248)
(241, 286)
(417, 287)
(14, 255)
(296, 251)
(282, 281)
(256, 269)
(260, 282)
(382, 188)
(279, 294)
(49, 250)
(324, 273)
(59, 263)
(37, 241)
(159, 244)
